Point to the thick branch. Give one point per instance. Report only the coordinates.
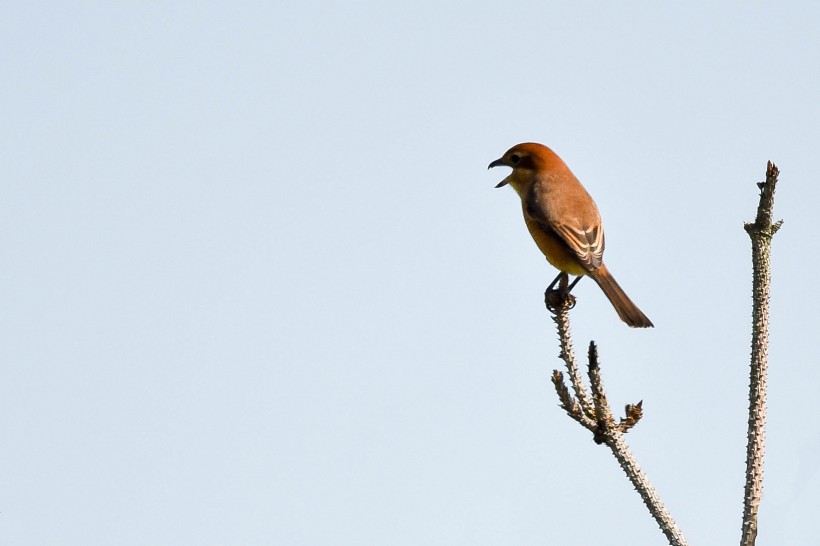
(761, 233)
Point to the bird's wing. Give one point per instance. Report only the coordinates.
(587, 243)
(583, 235)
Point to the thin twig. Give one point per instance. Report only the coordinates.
(603, 415)
(570, 405)
(560, 308)
(634, 412)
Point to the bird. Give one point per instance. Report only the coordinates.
(564, 221)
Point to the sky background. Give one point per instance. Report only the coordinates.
(257, 286)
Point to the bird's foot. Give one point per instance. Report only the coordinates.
(559, 298)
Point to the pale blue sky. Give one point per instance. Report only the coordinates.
(258, 287)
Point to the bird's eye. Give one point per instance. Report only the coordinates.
(515, 158)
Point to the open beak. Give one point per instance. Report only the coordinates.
(498, 163)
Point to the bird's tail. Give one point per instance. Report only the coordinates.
(627, 310)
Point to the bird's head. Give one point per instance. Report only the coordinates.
(525, 159)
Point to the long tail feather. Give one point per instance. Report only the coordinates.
(627, 310)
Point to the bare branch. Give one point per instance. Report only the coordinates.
(761, 233)
(614, 439)
(596, 416)
(568, 403)
(603, 415)
(560, 307)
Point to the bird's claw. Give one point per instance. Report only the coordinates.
(557, 298)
